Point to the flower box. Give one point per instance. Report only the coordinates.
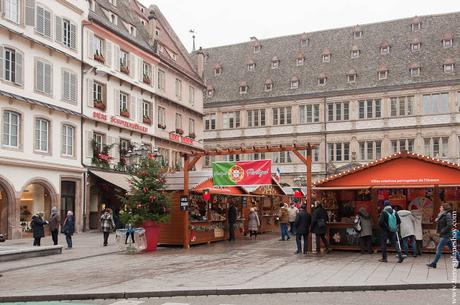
(146, 80)
(179, 131)
(99, 58)
(124, 113)
(99, 105)
(162, 126)
(124, 69)
(192, 135)
(147, 120)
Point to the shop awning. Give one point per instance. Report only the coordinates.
(402, 169)
(117, 179)
(208, 185)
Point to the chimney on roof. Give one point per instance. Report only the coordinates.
(253, 38)
(200, 62)
(152, 27)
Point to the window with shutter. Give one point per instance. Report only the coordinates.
(73, 36)
(11, 129)
(2, 64)
(43, 74)
(12, 10)
(69, 90)
(30, 12)
(68, 136)
(66, 36)
(10, 65)
(41, 135)
(58, 29)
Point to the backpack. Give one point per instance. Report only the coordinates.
(392, 223)
(357, 224)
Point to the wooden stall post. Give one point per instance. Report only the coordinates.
(308, 178)
(186, 242)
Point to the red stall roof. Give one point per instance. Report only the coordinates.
(208, 184)
(402, 169)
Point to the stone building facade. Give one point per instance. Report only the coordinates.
(358, 93)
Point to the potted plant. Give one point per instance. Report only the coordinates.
(162, 126)
(101, 155)
(146, 79)
(124, 113)
(123, 67)
(99, 57)
(192, 135)
(179, 131)
(99, 105)
(147, 204)
(146, 119)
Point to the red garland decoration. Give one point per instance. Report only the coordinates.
(206, 195)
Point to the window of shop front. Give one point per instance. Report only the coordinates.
(338, 152)
(369, 109)
(370, 150)
(338, 111)
(402, 144)
(210, 121)
(402, 106)
(11, 129)
(309, 113)
(437, 147)
(42, 135)
(282, 157)
(231, 120)
(435, 103)
(282, 116)
(256, 117)
(68, 138)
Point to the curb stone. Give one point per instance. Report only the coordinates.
(216, 292)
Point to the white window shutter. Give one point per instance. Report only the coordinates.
(39, 76)
(90, 42)
(115, 149)
(73, 36)
(58, 31)
(89, 144)
(140, 67)
(30, 12)
(117, 57)
(132, 65)
(108, 53)
(132, 106)
(1, 7)
(117, 101)
(65, 85)
(40, 20)
(48, 78)
(140, 115)
(1, 61)
(47, 23)
(73, 87)
(89, 95)
(18, 69)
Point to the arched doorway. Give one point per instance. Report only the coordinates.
(7, 200)
(35, 197)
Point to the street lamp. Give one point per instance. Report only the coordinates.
(135, 155)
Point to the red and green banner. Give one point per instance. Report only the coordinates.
(242, 173)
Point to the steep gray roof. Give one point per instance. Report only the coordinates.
(338, 42)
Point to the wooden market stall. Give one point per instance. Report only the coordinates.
(410, 181)
(207, 219)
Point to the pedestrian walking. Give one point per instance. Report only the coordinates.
(407, 230)
(365, 234)
(302, 227)
(54, 225)
(444, 229)
(253, 223)
(292, 211)
(232, 216)
(418, 230)
(319, 226)
(69, 228)
(388, 223)
(38, 231)
(107, 224)
(284, 221)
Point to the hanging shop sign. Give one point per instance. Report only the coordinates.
(178, 138)
(242, 173)
(130, 125)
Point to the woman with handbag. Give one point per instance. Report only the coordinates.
(107, 224)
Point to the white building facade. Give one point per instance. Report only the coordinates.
(40, 106)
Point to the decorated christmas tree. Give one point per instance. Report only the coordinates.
(147, 199)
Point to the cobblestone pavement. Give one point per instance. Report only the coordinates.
(419, 297)
(245, 264)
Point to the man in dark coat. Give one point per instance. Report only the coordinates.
(318, 226)
(38, 230)
(302, 227)
(69, 228)
(232, 216)
(54, 225)
(386, 232)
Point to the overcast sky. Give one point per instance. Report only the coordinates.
(220, 22)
